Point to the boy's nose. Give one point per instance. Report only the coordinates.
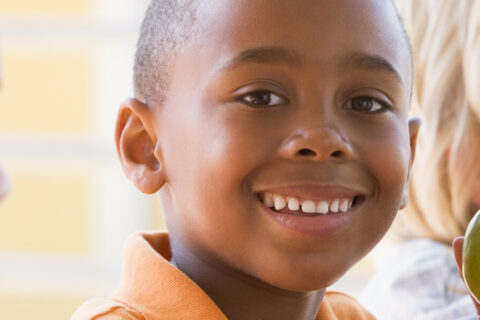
(316, 144)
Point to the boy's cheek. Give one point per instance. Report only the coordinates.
(389, 165)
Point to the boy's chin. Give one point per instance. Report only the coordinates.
(301, 281)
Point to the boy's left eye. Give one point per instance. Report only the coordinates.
(366, 104)
(262, 98)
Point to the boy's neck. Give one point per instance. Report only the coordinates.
(241, 296)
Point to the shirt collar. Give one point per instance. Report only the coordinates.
(156, 288)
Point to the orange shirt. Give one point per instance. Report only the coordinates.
(153, 289)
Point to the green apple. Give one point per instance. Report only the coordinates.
(471, 257)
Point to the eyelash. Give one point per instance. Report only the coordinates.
(277, 99)
(383, 106)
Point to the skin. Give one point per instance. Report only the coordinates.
(458, 166)
(476, 198)
(236, 124)
(475, 203)
(457, 249)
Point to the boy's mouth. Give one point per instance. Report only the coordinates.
(307, 207)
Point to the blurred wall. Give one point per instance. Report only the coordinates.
(65, 67)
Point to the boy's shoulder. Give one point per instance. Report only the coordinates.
(336, 306)
(105, 309)
(152, 288)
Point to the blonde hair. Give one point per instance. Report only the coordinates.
(445, 37)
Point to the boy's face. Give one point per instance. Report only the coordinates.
(295, 99)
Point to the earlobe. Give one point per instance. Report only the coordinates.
(413, 127)
(404, 201)
(136, 144)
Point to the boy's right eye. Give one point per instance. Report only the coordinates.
(261, 98)
(367, 104)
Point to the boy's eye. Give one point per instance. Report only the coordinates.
(366, 104)
(262, 99)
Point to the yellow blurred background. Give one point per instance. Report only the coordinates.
(65, 66)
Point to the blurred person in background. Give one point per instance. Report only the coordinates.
(4, 184)
(4, 181)
(418, 277)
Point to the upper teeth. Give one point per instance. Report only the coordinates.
(279, 202)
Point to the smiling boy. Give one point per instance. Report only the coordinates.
(277, 137)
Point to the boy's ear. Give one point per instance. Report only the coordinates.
(136, 143)
(413, 127)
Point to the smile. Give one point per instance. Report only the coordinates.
(295, 205)
(321, 212)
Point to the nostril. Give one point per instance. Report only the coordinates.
(337, 154)
(306, 152)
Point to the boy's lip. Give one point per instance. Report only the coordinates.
(313, 191)
(318, 225)
(313, 224)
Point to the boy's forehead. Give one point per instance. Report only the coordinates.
(369, 26)
(239, 13)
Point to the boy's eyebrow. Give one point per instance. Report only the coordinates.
(372, 62)
(275, 55)
(264, 55)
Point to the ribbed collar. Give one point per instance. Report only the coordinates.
(158, 290)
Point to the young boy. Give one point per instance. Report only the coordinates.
(276, 134)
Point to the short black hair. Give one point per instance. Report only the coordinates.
(166, 28)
